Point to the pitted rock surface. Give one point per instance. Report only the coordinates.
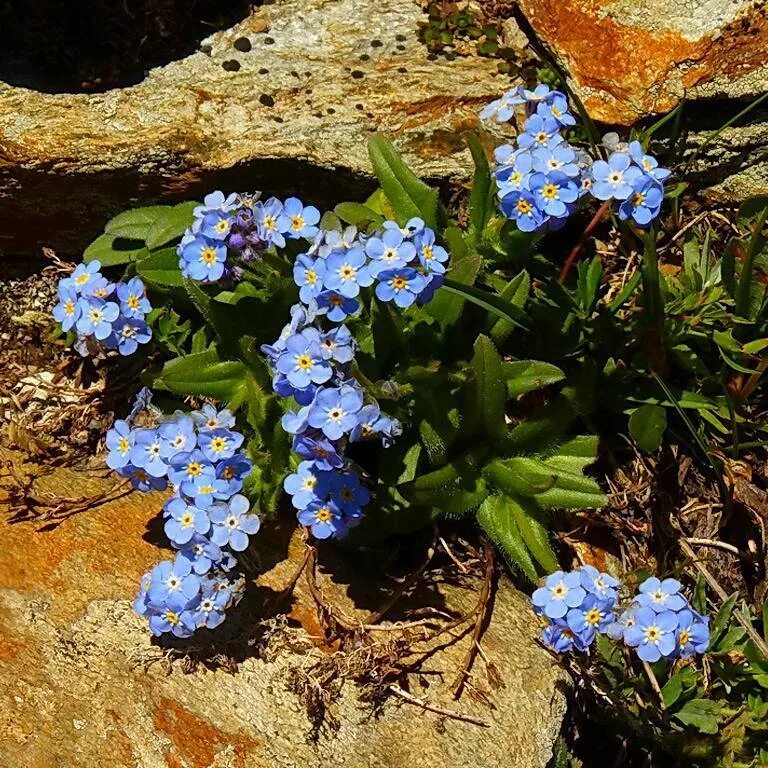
(81, 685)
(292, 113)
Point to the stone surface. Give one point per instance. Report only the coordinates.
(81, 685)
(629, 59)
(320, 77)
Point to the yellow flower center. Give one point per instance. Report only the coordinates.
(228, 473)
(638, 199)
(311, 276)
(335, 414)
(347, 272)
(270, 223)
(69, 307)
(304, 362)
(427, 252)
(187, 520)
(208, 256)
(614, 177)
(549, 191)
(685, 637)
(652, 635)
(559, 590)
(516, 177)
(593, 617)
(399, 282)
(523, 206)
(172, 618)
(297, 222)
(194, 469)
(83, 279)
(133, 302)
(323, 515)
(309, 482)
(123, 445)
(555, 111)
(542, 138)
(95, 315)
(222, 225)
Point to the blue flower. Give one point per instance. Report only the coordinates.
(320, 452)
(648, 163)
(216, 225)
(217, 444)
(402, 285)
(338, 344)
(390, 251)
(558, 636)
(295, 422)
(127, 334)
(204, 489)
(431, 283)
(540, 93)
(335, 410)
(338, 306)
(209, 418)
(503, 108)
(68, 310)
(187, 466)
(99, 288)
(644, 204)
(233, 471)
(431, 256)
(661, 595)
(347, 493)
(269, 218)
(556, 107)
(232, 524)
(653, 634)
(298, 220)
(602, 585)
(211, 610)
(96, 317)
(324, 519)
(185, 520)
(590, 617)
(614, 179)
(203, 259)
(341, 241)
(133, 300)
(202, 553)
(141, 479)
(554, 193)
(624, 622)
(346, 272)
(522, 208)
(306, 485)
(308, 274)
(215, 201)
(176, 435)
(303, 362)
(179, 623)
(173, 584)
(371, 422)
(147, 454)
(560, 592)
(413, 227)
(558, 157)
(83, 275)
(119, 444)
(692, 634)
(539, 132)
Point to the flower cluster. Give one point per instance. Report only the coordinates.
(315, 366)
(111, 313)
(575, 607)
(243, 225)
(206, 519)
(541, 179)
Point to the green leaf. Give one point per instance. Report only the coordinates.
(171, 225)
(480, 198)
(488, 301)
(647, 425)
(453, 489)
(523, 376)
(203, 374)
(702, 714)
(358, 214)
(161, 268)
(721, 619)
(516, 292)
(112, 251)
(408, 195)
(496, 519)
(531, 520)
(672, 690)
(488, 391)
(135, 223)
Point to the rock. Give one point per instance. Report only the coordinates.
(80, 681)
(291, 114)
(629, 59)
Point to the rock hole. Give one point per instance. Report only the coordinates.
(242, 44)
(267, 100)
(230, 65)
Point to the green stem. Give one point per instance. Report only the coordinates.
(743, 289)
(653, 304)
